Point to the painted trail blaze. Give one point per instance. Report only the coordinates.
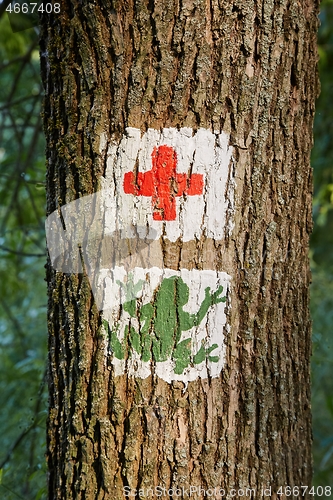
(163, 184)
(162, 187)
(162, 322)
(170, 323)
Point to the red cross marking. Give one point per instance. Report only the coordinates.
(163, 184)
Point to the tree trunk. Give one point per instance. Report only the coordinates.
(237, 81)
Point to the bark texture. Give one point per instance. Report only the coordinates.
(247, 68)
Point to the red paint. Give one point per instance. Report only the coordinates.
(163, 184)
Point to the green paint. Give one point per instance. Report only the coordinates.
(161, 323)
(118, 347)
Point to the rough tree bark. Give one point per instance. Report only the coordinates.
(245, 68)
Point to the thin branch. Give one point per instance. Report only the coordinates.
(30, 427)
(27, 162)
(12, 491)
(23, 254)
(12, 318)
(18, 101)
(33, 204)
(3, 6)
(27, 181)
(16, 443)
(25, 60)
(37, 410)
(12, 61)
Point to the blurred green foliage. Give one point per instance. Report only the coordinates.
(322, 259)
(23, 332)
(23, 399)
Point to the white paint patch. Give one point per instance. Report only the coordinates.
(203, 152)
(102, 142)
(111, 210)
(208, 333)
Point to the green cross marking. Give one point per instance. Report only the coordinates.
(161, 323)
